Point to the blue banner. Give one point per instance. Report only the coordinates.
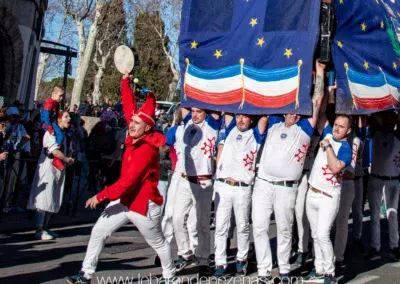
(248, 56)
(366, 54)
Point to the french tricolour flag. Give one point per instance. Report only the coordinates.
(243, 84)
(373, 92)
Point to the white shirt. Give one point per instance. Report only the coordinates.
(238, 156)
(321, 176)
(285, 150)
(385, 154)
(198, 147)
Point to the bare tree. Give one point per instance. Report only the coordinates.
(170, 11)
(51, 14)
(83, 13)
(112, 27)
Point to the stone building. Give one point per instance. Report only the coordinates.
(21, 26)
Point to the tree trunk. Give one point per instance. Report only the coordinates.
(97, 83)
(84, 58)
(40, 71)
(45, 56)
(172, 89)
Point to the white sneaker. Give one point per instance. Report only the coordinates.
(43, 235)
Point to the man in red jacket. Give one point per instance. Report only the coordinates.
(134, 197)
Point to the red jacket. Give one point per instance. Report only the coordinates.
(140, 165)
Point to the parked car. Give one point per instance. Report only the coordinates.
(169, 107)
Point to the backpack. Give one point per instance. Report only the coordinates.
(108, 142)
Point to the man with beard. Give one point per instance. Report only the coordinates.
(275, 188)
(195, 186)
(234, 177)
(323, 197)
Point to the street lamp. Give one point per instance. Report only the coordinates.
(135, 81)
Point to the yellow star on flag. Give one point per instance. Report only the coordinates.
(363, 27)
(382, 25)
(288, 53)
(253, 22)
(341, 1)
(398, 14)
(340, 44)
(394, 65)
(366, 65)
(218, 53)
(260, 41)
(377, 2)
(194, 44)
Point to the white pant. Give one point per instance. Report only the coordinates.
(303, 226)
(238, 198)
(357, 209)
(268, 198)
(342, 219)
(188, 195)
(162, 189)
(117, 215)
(389, 190)
(166, 224)
(321, 212)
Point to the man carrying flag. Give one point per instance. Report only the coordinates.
(275, 188)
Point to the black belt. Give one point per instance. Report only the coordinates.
(197, 179)
(384, 177)
(357, 177)
(232, 183)
(287, 183)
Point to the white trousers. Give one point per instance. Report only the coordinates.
(238, 199)
(167, 225)
(303, 226)
(268, 198)
(342, 219)
(162, 189)
(357, 209)
(321, 212)
(389, 190)
(117, 215)
(200, 196)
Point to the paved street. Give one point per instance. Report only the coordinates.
(25, 260)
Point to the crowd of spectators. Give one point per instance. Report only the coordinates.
(97, 155)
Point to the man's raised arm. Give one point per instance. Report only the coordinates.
(128, 97)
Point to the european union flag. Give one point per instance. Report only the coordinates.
(366, 54)
(248, 56)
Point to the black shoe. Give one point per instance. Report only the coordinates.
(338, 267)
(373, 254)
(313, 277)
(220, 272)
(264, 279)
(395, 254)
(157, 261)
(329, 279)
(183, 262)
(204, 271)
(241, 268)
(78, 279)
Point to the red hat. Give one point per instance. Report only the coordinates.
(147, 111)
